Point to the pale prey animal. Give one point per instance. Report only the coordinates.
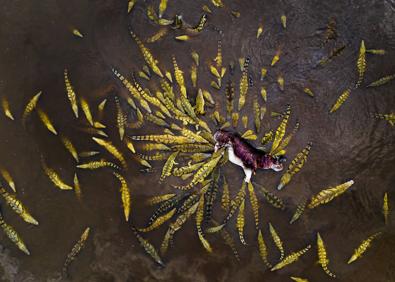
(243, 154)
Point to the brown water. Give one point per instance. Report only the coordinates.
(36, 45)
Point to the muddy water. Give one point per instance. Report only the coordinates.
(36, 45)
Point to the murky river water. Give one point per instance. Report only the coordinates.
(36, 44)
